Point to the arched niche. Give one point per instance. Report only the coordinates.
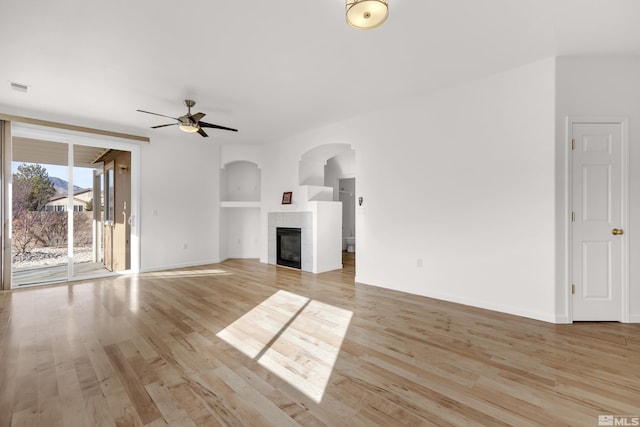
(333, 167)
(240, 182)
(311, 167)
(337, 168)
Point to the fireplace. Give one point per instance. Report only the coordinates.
(289, 247)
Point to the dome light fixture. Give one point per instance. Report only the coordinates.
(188, 127)
(367, 14)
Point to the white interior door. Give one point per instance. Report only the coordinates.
(598, 234)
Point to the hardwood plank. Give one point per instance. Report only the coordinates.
(171, 411)
(98, 411)
(144, 406)
(243, 343)
(184, 397)
(50, 413)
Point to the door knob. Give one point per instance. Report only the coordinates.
(617, 231)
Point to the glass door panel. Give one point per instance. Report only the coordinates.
(40, 203)
(88, 250)
(117, 211)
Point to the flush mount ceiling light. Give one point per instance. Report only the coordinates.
(367, 14)
(188, 127)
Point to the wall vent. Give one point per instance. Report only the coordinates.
(19, 87)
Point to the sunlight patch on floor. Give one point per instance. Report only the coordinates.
(188, 273)
(296, 338)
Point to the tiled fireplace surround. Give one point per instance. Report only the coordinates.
(301, 220)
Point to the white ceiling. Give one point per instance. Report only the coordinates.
(275, 68)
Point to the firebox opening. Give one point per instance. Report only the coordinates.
(289, 247)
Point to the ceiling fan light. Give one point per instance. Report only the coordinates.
(189, 128)
(367, 14)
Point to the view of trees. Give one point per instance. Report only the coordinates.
(33, 226)
(31, 188)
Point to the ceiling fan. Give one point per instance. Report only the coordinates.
(189, 122)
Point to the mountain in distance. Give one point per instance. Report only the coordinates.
(60, 185)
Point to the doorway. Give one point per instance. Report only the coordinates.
(599, 219)
(59, 189)
(347, 195)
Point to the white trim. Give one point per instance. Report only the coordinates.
(70, 213)
(134, 233)
(566, 286)
(71, 128)
(71, 138)
(623, 121)
(482, 304)
(5, 209)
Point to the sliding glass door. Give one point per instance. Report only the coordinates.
(65, 220)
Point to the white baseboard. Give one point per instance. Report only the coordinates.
(634, 318)
(564, 319)
(515, 311)
(335, 267)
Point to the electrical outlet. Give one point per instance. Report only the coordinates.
(419, 262)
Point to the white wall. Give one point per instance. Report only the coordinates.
(243, 232)
(241, 181)
(599, 87)
(312, 163)
(463, 180)
(327, 236)
(337, 168)
(347, 195)
(235, 153)
(223, 235)
(179, 201)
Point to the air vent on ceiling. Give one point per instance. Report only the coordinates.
(19, 87)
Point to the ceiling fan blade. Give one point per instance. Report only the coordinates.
(156, 114)
(161, 126)
(203, 133)
(197, 116)
(209, 125)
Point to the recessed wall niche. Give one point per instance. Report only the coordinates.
(240, 210)
(240, 182)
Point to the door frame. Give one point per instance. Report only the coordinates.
(72, 137)
(623, 122)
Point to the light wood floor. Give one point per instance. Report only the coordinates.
(247, 344)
